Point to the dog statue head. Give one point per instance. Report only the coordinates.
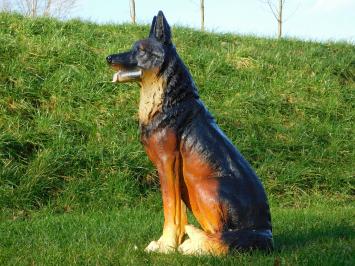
(146, 55)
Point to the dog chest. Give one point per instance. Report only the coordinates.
(151, 97)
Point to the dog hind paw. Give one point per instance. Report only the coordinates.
(199, 243)
(195, 244)
(188, 247)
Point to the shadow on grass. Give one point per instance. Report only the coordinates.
(287, 241)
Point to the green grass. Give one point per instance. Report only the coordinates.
(76, 186)
(321, 234)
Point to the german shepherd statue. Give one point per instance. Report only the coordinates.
(198, 166)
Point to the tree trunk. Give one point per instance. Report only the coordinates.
(202, 7)
(33, 8)
(279, 19)
(48, 8)
(133, 11)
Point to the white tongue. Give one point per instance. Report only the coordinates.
(115, 77)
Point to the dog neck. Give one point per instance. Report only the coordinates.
(151, 96)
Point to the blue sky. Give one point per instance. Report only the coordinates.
(306, 19)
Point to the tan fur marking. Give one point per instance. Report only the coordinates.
(151, 96)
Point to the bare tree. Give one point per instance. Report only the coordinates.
(202, 8)
(5, 5)
(132, 5)
(60, 8)
(47, 8)
(277, 11)
(33, 8)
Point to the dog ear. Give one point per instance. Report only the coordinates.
(160, 29)
(152, 27)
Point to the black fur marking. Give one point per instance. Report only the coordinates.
(127, 59)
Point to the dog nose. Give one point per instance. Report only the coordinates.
(109, 59)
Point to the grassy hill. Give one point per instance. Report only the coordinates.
(70, 153)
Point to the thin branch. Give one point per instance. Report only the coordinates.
(5, 6)
(293, 12)
(273, 9)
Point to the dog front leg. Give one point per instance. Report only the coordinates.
(175, 217)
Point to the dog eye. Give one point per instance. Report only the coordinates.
(142, 52)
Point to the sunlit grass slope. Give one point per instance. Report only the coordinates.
(70, 137)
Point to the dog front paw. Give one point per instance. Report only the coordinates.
(152, 247)
(161, 246)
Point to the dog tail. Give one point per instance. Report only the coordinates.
(247, 240)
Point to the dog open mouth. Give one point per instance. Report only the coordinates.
(125, 66)
(127, 75)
